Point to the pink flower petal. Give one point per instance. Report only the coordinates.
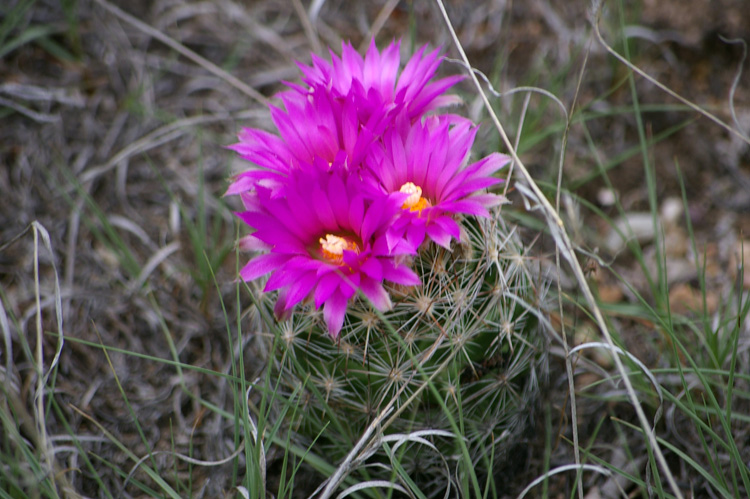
(401, 274)
(356, 211)
(301, 288)
(280, 310)
(439, 235)
(325, 288)
(372, 268)
(262, 265)
(251, 243)
(448, 225)
(375, 292)
(334, 311)
(324, 210)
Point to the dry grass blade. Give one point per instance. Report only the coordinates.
(332, 483)
(418, 437)
(514, 90)
(370, 485)
(315, 7)
(31, 420)
(736, 81)
(562, 240)
(378, 23)
(569, 467)
(5, 329)
(308, 27)
(187, 459)
(156, 259)
(173, 44)
(635, 360)
(629, 355)
(42, 377)
(30, 113)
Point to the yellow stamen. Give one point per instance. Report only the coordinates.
(415, 201)
(333, 247)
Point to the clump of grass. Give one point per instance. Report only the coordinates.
(685, 364)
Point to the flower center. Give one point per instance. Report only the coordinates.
(333, 248)
(415, 201)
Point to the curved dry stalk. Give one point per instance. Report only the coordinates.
(43, 377)
(183, 457)
(33, 421)
(378, 23)
(335, 480)
(664, 88)
(563, 242)
(307, 26)
(371, 485)
(736, 80)
(560, 469)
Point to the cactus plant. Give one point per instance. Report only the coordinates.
(471, 326)
(399, 291)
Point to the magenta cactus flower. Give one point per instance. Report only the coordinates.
(325, 240)
(374, 83)
(317, 132)
(427, 161)
(347, 106)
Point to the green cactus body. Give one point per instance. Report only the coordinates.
(472, 327)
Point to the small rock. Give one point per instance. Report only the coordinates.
(675, 242)
(636, 225)
(610, 293)
(606, 197)
(671, 211)
(684, 298)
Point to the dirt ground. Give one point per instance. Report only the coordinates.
(115, 144)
